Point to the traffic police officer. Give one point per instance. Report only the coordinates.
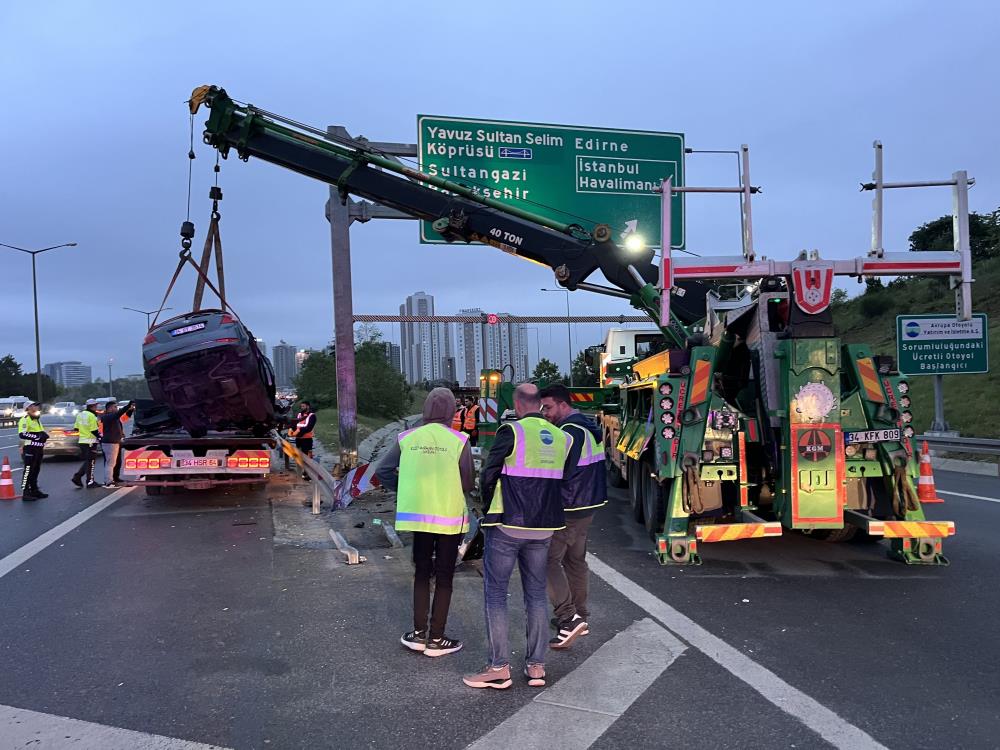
(87, 426)
(33, 437)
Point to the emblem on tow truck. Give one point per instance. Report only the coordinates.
(814, 401)
(813, 285)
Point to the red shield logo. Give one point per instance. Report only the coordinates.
(813, 284)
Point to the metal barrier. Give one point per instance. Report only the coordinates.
(324, 483)
(987, 446)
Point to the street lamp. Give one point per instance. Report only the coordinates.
(569, 332)
(147, 313)
(111, 361)
(538, 346)
(34, 287)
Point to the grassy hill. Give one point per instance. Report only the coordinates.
(971, 402)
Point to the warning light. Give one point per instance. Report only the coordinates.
(666, 389)
(492, 319)
(903, 387)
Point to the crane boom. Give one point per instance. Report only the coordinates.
(457, 211)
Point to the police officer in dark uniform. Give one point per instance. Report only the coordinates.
(33, 437)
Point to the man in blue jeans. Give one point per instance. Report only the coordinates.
(522, 480)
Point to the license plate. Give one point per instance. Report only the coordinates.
(187, 463)
(187, 329)
(873, 436)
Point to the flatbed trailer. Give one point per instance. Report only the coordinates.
(175, 460)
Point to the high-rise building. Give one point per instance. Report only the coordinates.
(425, 348)
(300, 357)
(481, 345)
(470, 352)
(68, 374)
(283, 359)
(392, 356)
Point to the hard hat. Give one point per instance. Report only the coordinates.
(91, 402)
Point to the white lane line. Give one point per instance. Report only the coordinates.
(22, 728)
(972, 497)
(22, 554)
(579, 708)
(5, 447)
(824, 722)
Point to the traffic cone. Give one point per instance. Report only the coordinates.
(926, 492)
(6, 482)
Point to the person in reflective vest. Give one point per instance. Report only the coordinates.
(304, 430)
(470, 424)
(33, 437)
(584, 491)
(88, 428)
(522, 482)
(458, 421)
(430, 467)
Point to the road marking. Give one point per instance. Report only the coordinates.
(579, 708)
(972, 497)
(5, 447)
(827, 724)
(36, 545)
(22, 728)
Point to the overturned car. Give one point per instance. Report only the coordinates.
(206, 367)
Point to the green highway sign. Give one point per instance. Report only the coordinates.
(942, 344)
(573, 175)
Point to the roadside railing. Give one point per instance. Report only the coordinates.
(324, 483)
(987, 446)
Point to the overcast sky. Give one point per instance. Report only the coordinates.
(95, 136)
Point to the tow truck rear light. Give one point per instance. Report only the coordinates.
(667, 432)
(908, 431)
(666, 390)
(904, 401)
(906, 417)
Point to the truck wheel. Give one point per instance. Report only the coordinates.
(653, 505)
(615, 478)
(836, 535)
(635, 490)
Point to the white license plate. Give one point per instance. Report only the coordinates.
(872, 436)
(187, 329)
(187, 463)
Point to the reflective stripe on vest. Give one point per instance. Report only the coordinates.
(430, 497)
(528, 493)
(28, 423)
(592, 451)
(471, 421)
(519, 464)
(88, 426)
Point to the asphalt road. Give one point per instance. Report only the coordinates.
(180, 616)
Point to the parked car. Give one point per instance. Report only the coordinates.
(63, 435)
(207, 368)
(64, 409)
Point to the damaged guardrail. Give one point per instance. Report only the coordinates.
(323, 482)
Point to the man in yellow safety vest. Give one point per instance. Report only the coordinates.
(430, 467)
(522, 482)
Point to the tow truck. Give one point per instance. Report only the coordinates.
(754, 418)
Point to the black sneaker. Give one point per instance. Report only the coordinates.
(40, 495)
(554, 622)
(415, 640)
(91, 484)
(76, 480)
(442, 646)
(28, 495)
(568, 632)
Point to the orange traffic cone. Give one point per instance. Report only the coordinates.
(926, 492)
(6, 482)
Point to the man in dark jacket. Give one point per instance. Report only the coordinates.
(304, 430)
(112, 431)
(583, 491)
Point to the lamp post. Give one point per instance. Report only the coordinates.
(34, 288)
(111, 361)
(569, 332)
(147, 313)
(538, 346)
